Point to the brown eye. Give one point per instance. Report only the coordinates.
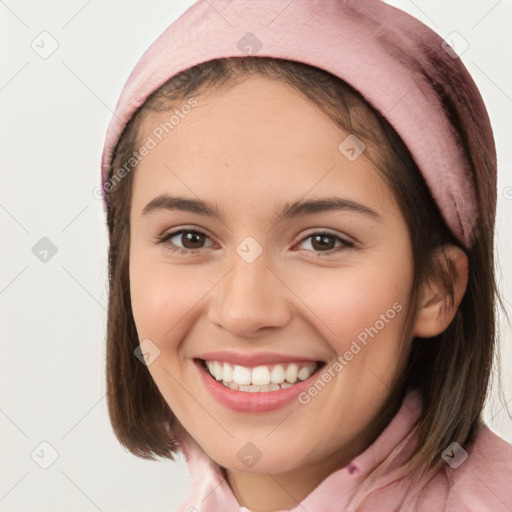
(322, 242)
(326, 242)
(190, 240)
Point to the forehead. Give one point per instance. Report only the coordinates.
(259, 139)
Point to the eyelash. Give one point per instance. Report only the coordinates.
(165, 238)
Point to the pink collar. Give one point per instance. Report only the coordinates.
(211, 492)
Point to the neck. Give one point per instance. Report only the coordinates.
(265, 492)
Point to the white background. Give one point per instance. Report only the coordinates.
(54, 114)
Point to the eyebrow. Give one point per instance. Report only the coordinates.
(165, 202)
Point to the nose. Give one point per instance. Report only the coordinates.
(251, 297)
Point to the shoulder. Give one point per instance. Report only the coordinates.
(482, 480)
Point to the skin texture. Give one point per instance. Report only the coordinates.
(249, 150)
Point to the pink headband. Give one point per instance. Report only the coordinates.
(401, 67)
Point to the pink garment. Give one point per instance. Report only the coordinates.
(481, 483)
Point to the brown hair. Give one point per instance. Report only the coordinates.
(450, 371)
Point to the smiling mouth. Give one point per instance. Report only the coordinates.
(260, 378)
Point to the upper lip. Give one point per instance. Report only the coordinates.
(254, 359)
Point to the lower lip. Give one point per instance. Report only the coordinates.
(245, 401)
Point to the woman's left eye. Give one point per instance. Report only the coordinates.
(326, 241)
(193, 239)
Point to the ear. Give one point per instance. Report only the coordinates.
(435, 309)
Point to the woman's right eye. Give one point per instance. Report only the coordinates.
(190, 241)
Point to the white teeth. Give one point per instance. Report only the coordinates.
(260, 378)
(277, 376)
(306, 371)
(242, 375)
(291, 373)
(217, 370)
(227, 373)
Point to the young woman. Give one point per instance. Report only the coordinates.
(300, 199)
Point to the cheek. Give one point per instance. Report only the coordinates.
(361, 313)
(348, 301)
(165, 299)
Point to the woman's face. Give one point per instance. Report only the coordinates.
(325, 284)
